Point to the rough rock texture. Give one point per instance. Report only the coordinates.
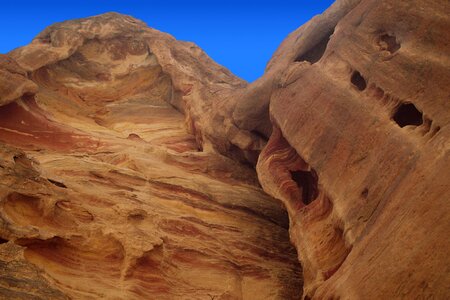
(106, 195)
(359, 152)
(14, 81)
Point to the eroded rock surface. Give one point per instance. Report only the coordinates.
(114, 183)
(105, 194)
(359, 152)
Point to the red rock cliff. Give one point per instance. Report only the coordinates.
(105, 194)
(359, 152)
(108, 191)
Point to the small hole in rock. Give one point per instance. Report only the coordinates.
(408, 114)
(358, 81)
(3, 241)
(365, 193)
(315, 53)
(134, 137)
(57, 183)
(307, 182)
(137, 215)
(259, 134)
(388, 43)
(433, 133)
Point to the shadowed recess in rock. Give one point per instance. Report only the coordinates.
(407, 114)
(358, 81)
(388, 43)
(315, 53)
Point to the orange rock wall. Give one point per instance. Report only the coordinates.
(128, 162)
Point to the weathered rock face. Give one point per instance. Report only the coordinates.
(359, 152)
(14, 82)
(106, 195)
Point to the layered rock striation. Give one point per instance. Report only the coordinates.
(106, 195)
(359, 152)
(128, 162)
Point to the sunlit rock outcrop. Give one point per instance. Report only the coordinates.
(128, 159)
(104, 192)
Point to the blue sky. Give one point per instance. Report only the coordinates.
(240, 35)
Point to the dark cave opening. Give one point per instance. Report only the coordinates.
(259, 135)
(407, 114)
(358, 81)
(315, 53)
(3, 241)
(307, 182)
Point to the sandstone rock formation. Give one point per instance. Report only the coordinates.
(359, 152)
(108, 191)
(104, 194)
